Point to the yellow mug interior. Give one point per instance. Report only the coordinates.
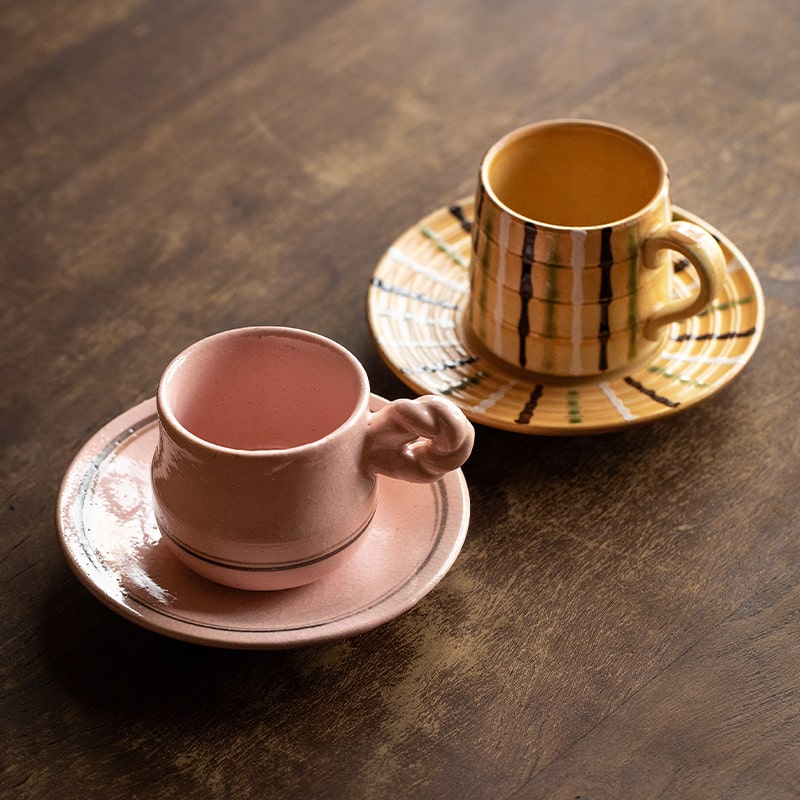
(573, 174)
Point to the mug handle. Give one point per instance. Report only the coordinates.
(417, 440)
(703, 252)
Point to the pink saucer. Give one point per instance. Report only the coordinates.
(109, 535)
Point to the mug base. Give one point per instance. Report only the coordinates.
(473, 343)
(259, 578)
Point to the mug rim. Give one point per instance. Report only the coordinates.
(565, 122)
(183, 437)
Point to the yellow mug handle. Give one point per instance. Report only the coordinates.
(703, 252)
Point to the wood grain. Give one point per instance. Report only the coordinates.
(622, 621)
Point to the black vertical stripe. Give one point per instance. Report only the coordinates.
(705, 337)
(526, 288)
(665, 401)
(680, 265)
(606, 294)
(525, 415)
(458, 213)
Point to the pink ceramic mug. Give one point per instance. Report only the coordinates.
(264, 476)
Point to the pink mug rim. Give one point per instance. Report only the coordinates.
(183, 437)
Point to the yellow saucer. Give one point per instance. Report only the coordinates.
(414, 306)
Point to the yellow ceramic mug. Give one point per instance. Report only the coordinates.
(571, 269)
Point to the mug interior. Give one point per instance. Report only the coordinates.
(256, 389)
(573, 174)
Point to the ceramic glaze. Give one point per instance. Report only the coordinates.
(558, 282)
(110, 538)
(265, 472)
(577, 215)
(262, 392)
(570, 320)
(415, 307)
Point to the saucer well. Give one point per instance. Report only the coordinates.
(111, 540)
(420, 288)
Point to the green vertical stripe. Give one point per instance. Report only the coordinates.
(574, 407)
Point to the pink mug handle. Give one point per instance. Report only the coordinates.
(418, 440)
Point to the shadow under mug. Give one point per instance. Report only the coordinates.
(264, 476)
(571, 213)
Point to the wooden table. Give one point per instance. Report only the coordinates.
(624, 618)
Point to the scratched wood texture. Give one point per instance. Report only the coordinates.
(624, 619)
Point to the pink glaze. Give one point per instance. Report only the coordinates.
(262, 391)
(110, 539)
(265, 472)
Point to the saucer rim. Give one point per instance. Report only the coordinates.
(461, 211)
(370, 614)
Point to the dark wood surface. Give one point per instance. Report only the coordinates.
(624, 618)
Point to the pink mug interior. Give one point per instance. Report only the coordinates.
(263, 391)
